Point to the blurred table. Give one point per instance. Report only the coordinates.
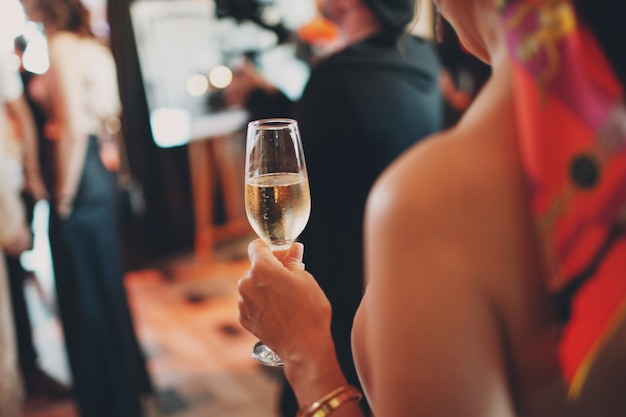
(216, 157)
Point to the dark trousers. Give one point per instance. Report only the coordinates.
(27, 354)
(107, 365)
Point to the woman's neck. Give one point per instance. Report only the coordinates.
(357, 25)
(50, 30)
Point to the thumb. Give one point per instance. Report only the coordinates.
(293, 258)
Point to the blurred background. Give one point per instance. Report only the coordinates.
(174, 57)
(183, 225)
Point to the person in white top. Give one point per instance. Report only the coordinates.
(14, 238)
(107, 365)
(18, 131)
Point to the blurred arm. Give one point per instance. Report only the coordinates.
(20, 111)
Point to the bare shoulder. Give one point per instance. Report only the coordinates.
(62, 39)
(457, 204)
(455, 184)
(63, 47)
(431, 235)
(448, 221)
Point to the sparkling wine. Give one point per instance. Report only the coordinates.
(278, 207)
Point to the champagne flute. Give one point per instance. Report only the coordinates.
(277, 197)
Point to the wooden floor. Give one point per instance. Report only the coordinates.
(186, 318)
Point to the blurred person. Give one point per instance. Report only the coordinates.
(36, 380)
(36, 95)
(363, 104)
(25, 130)
(14, 239)
(462, 74)
(107, 365)
(494, 252)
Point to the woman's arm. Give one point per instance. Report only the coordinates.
(283, 305)
(15, 236)
(433, 340)
(30, 156)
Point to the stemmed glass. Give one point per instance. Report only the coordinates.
(278, 201)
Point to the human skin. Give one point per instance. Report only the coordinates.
(32, 174)
(455, 320)
(461, 282)
(448, 253)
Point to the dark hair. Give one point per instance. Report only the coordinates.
(393, 14)
(67, 15)
(606, 19)
(20, 43)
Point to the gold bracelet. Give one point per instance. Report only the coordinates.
(331, 401)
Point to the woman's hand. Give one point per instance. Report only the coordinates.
(282, 304)
(110, 155)
(34, 185)
(246, 79)
(22, 242)
(65, 205)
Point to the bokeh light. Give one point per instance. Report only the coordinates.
(35, 58)
(220, 76)
(197, 85)
(170, 127)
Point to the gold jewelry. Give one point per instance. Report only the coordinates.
(112, 125)
(326, 405)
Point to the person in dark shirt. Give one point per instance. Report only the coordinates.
(462, 76)
(363, 105)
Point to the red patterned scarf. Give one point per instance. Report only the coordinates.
(572, 125)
